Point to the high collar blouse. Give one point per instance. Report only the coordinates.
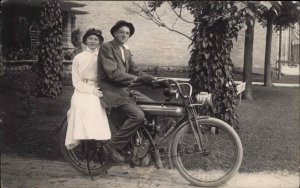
(84, 68)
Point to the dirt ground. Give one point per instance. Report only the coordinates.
(31, 172)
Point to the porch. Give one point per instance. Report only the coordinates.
(20, 29)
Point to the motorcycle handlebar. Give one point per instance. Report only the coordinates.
(159, 82)
(167, 82)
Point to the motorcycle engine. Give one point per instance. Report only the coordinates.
(141, 156)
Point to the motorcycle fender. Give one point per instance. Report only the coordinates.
(173, 136)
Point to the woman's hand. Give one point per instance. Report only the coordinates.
(97, 92)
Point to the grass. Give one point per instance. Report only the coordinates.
(269, 125)
(239, 77)
(270, 129)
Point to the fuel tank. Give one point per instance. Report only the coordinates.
(162, 110)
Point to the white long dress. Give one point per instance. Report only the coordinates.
(86, 117)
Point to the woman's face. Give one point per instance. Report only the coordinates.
(92, 42)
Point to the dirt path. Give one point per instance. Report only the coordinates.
(35, 173)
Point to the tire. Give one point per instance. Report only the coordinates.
(77, 159)
(212, 166)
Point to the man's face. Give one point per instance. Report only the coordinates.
(122, 35)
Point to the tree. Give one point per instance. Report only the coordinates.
(49, 65)
(216, 24)
(281, 14)
(248, 59)
(289, 15)
(249, 8)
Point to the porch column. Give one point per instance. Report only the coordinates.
(67, 31)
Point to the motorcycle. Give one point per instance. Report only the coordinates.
(206, 151)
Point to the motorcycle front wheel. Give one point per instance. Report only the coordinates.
(99, 161)
(216, 162)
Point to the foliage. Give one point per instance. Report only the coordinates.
(28, 103)
(75, 38)
(49, 66)
(148, 11)
(210, 64)
(289, 15)
(216, 24)
(285, 13)
(76, 41)
(281, 14)
(18, 54)
(210, 67)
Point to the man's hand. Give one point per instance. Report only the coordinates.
(97, 92)
(147, 80)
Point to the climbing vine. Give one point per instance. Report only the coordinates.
(210, 64)
(216, 25)
(49, 65)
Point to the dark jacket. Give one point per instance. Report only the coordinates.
(115, 75)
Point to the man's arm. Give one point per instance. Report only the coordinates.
(110, 67)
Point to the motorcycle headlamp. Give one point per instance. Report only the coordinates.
(204, 98)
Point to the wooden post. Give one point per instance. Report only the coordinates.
(248, 60)
(267, 71)
(279, 57)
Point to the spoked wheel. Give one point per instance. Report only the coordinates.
(215, 163)
(99, 161)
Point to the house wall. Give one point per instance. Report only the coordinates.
(259, 46)
(16, 32)
(156, 45)
(290, 44)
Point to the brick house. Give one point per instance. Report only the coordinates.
(153, 45)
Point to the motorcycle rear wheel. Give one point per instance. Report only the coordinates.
(99, 162)
(217, 163)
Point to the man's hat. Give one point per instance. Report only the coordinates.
(121, 23)
(93, 31)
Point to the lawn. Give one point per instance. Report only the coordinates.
(269, 125)
(239, 77)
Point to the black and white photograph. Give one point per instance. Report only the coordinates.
(149, 94)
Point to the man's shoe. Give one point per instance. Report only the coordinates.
(115, 155)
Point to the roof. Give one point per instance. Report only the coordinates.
(78, 11)
(70, 6)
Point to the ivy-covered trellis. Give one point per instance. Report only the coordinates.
(216, 25)
(49, 63)
(210, 64)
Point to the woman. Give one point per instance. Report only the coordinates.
(87, 117)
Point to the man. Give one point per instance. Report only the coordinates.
(117, 71)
